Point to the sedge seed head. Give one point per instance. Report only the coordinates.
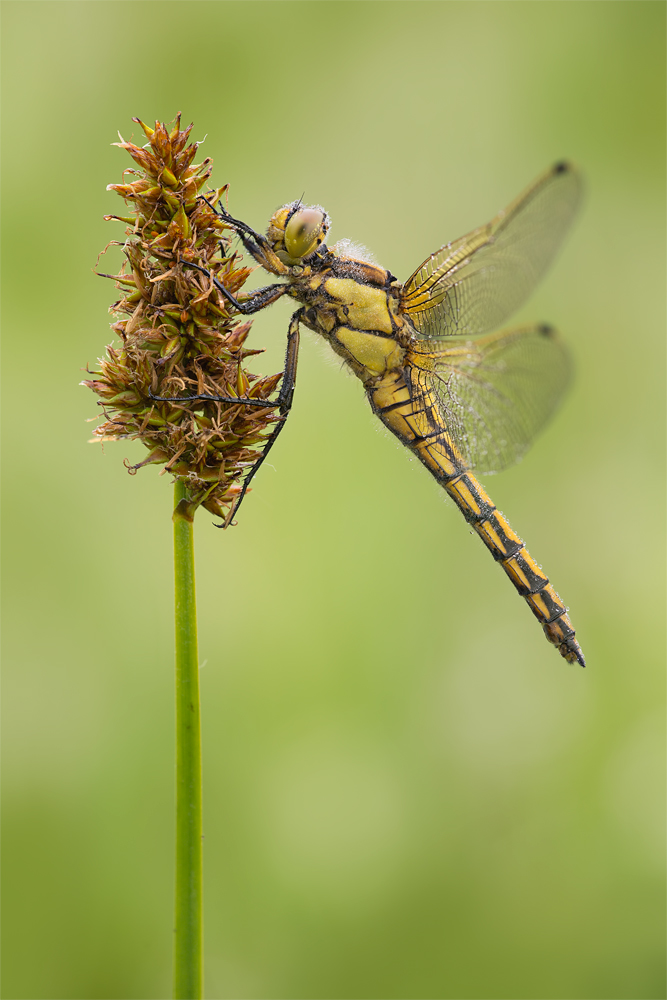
(178, 335)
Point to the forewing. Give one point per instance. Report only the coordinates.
(474, 285)
(493, 394)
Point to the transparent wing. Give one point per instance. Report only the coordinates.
(473, 285)
(491, 395)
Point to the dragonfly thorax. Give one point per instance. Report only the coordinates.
(295, 231)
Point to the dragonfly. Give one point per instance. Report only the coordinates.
(461, 395)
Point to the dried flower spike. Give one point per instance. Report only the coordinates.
(179, 335)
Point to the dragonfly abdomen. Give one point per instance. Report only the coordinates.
(509, 550)
(392, 401)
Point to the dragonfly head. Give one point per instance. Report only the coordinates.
(296, 231)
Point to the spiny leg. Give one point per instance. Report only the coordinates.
(236, 224)
(257, 245)
(284, 401)
(221, 245)
(257, 242)
(257, 300)
(262, 404)
(261, 297)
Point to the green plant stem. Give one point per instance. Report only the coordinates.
(188, 925)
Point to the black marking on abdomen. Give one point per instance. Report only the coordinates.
(394, 406)
(473, 502)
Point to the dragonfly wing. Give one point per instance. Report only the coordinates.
(473, 285)
(493, 394)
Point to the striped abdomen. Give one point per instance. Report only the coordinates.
(420, 429)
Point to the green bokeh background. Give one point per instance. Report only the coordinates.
(408, 794)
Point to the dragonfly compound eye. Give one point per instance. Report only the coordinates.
(305, 231)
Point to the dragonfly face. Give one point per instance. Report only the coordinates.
(296, 231)
(457, 393)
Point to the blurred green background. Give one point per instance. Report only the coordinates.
(408, 794)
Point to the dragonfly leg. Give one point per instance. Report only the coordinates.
(236, 224)
(284, 401)
(257, 245)
(221, 246)
(261, 404)
(256, 300)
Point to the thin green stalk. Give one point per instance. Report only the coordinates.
(188, 925)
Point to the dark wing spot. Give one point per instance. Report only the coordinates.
(546, 330)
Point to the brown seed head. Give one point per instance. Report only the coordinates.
(178, 335)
